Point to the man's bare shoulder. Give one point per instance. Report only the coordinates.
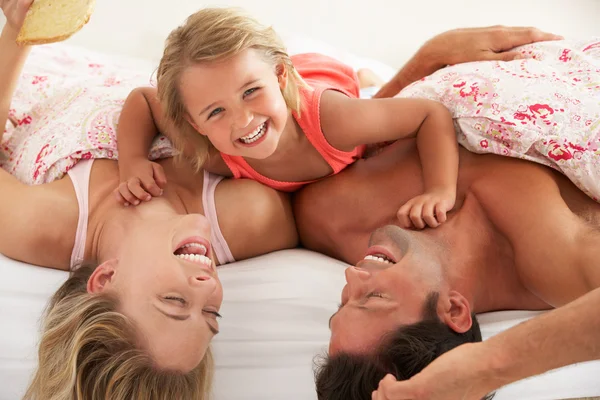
(501, 183)
(546, 220)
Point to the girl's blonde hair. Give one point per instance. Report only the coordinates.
(88, 352)
(213, 34)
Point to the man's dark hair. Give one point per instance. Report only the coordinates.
(402, 353)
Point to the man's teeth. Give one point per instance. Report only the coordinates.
(195, 245)
(377, 258)
(255, 135)
(197, 258)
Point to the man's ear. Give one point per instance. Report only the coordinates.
(282, 76)
(102, 277)
(456, 312)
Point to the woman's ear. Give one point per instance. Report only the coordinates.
(102, 277)
(456, 312)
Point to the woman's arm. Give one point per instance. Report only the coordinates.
(12, 56)
(463, 45)
(32, 218)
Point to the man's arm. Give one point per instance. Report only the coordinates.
(557, 257)
(561, 337)
(463, 45)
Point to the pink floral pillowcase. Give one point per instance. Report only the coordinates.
(543, 108)
(66, 108)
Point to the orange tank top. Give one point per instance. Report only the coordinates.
(320, 73)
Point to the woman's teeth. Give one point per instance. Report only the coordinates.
(255, 135)
(197, 258)
(201, 247)
(382, 259)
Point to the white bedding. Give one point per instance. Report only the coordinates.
(275, 312)
(275, 316)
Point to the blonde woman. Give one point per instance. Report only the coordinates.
(136, 321)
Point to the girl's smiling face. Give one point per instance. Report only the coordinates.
(237, 103)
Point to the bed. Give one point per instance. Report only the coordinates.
(274, 323)
(275, 312)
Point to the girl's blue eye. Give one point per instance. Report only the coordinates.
(215, 112)
(250, 91)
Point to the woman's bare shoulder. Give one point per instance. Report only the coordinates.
(254, 218)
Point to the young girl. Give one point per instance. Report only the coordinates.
(225, 82)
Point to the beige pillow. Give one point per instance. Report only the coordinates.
(49, 21)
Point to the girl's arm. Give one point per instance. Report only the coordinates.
(348, 123)
(140, 121)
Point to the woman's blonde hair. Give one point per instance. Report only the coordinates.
(213, 34)
(88, 352)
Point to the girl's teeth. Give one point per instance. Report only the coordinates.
(254, 136)
(375, 258)
(197, 258)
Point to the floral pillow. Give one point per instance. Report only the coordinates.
(543, 108)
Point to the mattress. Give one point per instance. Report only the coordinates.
(275, 315)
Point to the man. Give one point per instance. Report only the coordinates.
(521, 236)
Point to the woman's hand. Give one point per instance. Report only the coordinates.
(15, 11)
(481, 44)
(464, 45)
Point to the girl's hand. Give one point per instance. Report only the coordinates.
(428, 209)
(141, 179)
(15, 11)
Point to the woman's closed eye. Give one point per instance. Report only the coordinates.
(374, 294)
(213, 312)
(176, 299)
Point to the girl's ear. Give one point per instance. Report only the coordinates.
(192, 123)
(282, 76)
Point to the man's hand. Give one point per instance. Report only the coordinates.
(464, 45)
(141, 179)
(462, 373)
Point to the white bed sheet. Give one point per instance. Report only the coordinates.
(274, 322)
